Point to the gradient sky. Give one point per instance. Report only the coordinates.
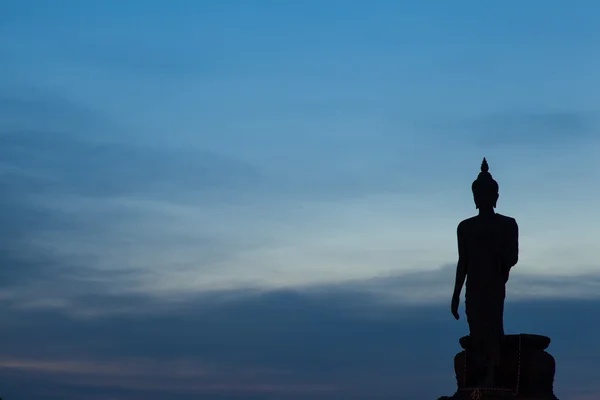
(259, 199)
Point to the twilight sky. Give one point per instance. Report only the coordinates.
(259, 199)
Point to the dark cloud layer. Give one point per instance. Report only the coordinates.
(283, 345)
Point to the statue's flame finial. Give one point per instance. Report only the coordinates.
(484, 166)
(484, 181)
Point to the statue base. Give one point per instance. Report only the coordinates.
(525, 371)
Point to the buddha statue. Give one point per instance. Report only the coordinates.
(488, 247)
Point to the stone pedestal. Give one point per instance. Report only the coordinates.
(525, 371)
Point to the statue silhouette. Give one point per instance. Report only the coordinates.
(493, 365)
(488, 247)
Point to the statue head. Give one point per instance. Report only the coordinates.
(485, 188)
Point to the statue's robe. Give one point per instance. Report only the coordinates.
(491, 246)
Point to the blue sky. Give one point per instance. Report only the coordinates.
(278, 171)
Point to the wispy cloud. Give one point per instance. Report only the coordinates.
(178, 376)
(535, 128)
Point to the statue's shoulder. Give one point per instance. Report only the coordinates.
(506, 219)
(466, 224)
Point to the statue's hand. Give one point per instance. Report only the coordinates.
(454, 306)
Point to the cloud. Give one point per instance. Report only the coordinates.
(542, 128)
(178, 376)
(549, 131)
(161, 220)
(67, 191)
(76, 165)
(27, 107)
(284, 240)
(266, 343)
(284, 344)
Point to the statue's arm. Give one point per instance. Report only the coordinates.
(461, 266)
(512, 255)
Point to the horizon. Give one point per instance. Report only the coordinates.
(307, 163)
